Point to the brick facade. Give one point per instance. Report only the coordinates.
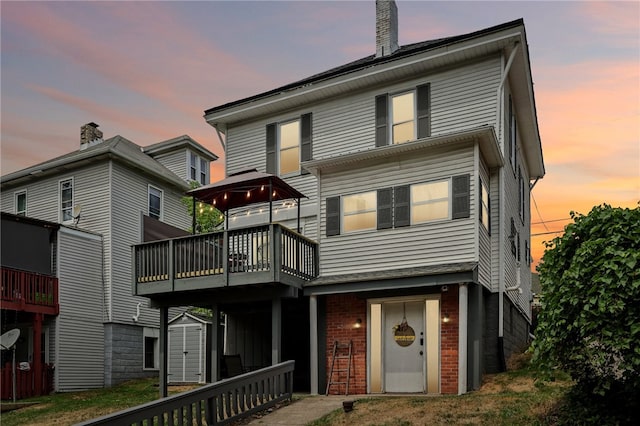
(342, 312)
(449, 341)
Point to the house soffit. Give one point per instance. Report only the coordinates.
(484, 136)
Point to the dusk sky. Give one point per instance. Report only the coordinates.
(148, 70)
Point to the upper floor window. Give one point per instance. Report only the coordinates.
(155, 202)
(198, 169)
(430, 201)
(403, 117)
(288, 144)
(21, 203)
(359, 212)
(484, 205)
(399, 206)
(66, 200)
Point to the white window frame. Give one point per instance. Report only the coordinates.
(414, 120)
(298, 146)
(195, 170)
(152, 333)
(484, 205)
(204, 171)
(16, 195)
(161, 213)
(344, 214)
(449, 200)
(61, 208)
(193, 165)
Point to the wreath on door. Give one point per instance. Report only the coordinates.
(403, 333)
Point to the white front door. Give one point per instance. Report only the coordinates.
(403, 342)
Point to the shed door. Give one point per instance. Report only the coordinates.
(186, 353)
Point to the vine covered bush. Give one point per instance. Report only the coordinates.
(589, 325)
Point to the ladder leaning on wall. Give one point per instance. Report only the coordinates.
(339, 368)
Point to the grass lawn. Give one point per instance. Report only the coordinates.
(512, 398)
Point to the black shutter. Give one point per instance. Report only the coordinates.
(381, 120)
(461, 195)
(271, 148)
(306, 152)
(385, 207)
(401, 206)
(424, 111)
(333, 216)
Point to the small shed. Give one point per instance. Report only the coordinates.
(188, 343)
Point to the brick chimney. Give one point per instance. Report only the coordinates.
(89, 135)
(386, 27)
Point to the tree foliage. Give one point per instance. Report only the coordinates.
(589, 325)
(208, 218)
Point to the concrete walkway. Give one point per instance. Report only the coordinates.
(302, 411)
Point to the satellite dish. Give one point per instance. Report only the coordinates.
(75, 212)
(8, 339)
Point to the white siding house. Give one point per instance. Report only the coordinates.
(106, 188)
(415, 165)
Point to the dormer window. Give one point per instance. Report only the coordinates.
(198, 169)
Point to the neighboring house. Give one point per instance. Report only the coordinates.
(409, 173)
(126, 194)
(52, 287)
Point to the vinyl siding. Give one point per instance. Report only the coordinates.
(432, 243)
(176, 161)
(484, 240)
(128, 203)
(79, 348)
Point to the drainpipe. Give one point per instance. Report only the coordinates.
(463, 303)
(501, 184)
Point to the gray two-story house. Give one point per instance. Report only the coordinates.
(386, 217)
(122, 194)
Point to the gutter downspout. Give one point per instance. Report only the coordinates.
(501, 262)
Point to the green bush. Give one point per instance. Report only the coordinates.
(589, 325)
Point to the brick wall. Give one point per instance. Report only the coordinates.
(449, 342)
(342, 312)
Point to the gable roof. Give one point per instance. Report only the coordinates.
(184, 141)
(116, 147)
(507, 39)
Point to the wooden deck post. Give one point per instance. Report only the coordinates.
(164, 351)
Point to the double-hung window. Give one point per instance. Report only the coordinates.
(193, 166)
(359, 211)
(403, 117)
(484, 205)
(204, 171)
(21, 203)
(66, 200)
(430, 201)
(399, 206)
(155, 202)
(288, 144)
(198, 169)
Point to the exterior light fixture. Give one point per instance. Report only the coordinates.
(445, 318)
(358, 323)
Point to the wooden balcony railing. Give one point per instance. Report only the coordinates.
(254, 255)
(219, 403)
(29, 292)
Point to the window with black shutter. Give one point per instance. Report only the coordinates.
(287, 144)
(401, 206)
(306, 151)
(385, 208)
(381, 120)
(461, 197)
(333, 216)
(271, 148)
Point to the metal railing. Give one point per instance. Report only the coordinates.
(219, 403)
(29, 291)
(253, 249)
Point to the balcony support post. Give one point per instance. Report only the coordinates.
(37, 350)
(313, 343)
(164, 351)
(215, 356)
(276, 329)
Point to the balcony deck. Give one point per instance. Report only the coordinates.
(29, 292)
(265, 254)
